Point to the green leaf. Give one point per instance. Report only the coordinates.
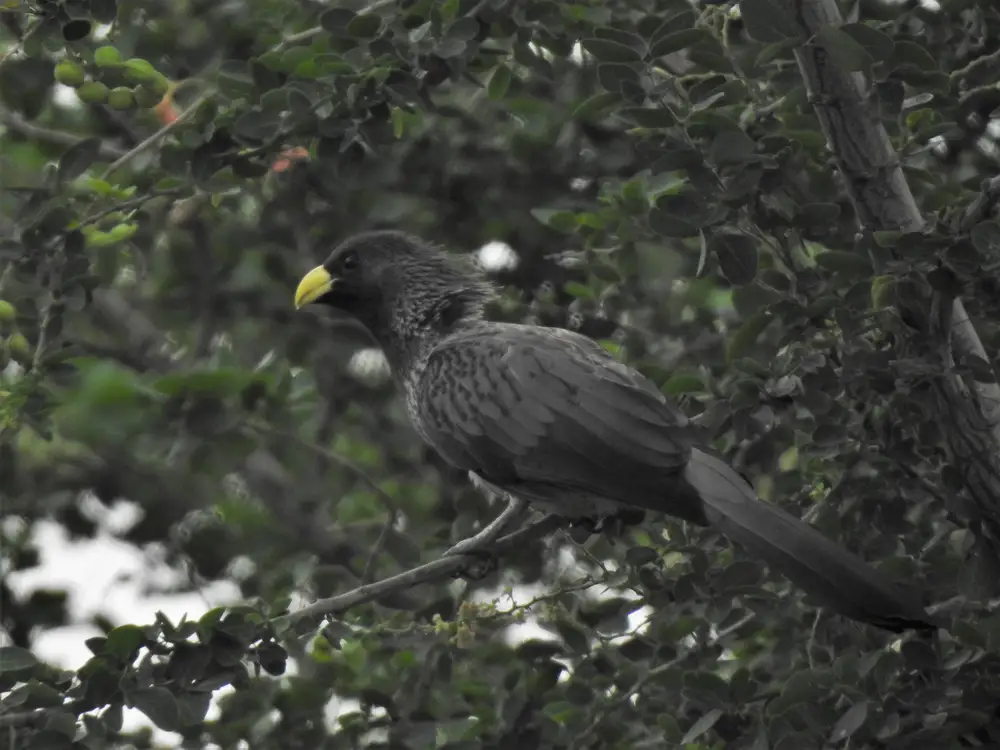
(16, 659)
(575, 637)
(595, 104)
(706, 686)
(678, 40)
(766, 21)
(638, 556)
(851, 264)
(225, 381)
(877, 44)
(576, 289)
(782, 50)
(606, 50)
(737, 254)
(561, 712)
(668, 218)
(681, 383)
(364, 26)
(820, 213)
(562, 221)
(122, 642)
(104, 11)
(852, 720)
(78, 158)
(499, 83)
(465, 29)
(158, 704)
(705, 723)
(847, 54)
(448, 47)
(910, 53)
(746, 336)
(615, 76)
(650, 117)
(985, 237)
(804, 686)
(257, 126)
(335, 21)
(732, 147)
(881, 292)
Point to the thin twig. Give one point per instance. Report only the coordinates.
(131, 204)
(55, 291)
(974, 65)
(155, 137)
(379, 546)
(19, 124)
(309, 34)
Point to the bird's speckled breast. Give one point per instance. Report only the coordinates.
(410, 385)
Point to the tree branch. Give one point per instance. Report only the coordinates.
(17, 123)
(432, 571)
(882, 200)
(156, 137)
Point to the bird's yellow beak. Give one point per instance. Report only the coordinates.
(314, 285)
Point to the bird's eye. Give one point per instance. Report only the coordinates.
(349, 261)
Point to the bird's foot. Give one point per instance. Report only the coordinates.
(587, 525)
(514, 510)
(479, 564)
(581, 528)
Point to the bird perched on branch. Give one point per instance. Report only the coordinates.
(547, 417)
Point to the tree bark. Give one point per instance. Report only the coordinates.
(882, 200)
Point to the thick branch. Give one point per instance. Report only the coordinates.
(882, 199)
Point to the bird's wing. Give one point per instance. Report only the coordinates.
(552, 417)
(539, 407)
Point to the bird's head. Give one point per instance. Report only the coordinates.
(397, 285)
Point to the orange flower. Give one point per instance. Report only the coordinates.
(288, 157)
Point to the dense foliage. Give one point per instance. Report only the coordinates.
(767, 212)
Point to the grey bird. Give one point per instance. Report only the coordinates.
(546, 417)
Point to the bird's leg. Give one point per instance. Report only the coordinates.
(513, 512)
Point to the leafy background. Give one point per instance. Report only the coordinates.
(693, 184)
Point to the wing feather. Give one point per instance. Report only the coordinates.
(527, 408)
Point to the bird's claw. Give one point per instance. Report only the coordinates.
(480, 564)
(514, 511)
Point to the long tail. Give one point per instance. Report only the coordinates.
(832, 575)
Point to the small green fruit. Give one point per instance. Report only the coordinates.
(107, 57)
(92, 92)
(18, 346)
(140, 70)
(7, 311)
(69, 73)
(121, 232)
(159, 84)
(120, 98)
(146, 98)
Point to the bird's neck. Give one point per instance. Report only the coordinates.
(414, 331)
